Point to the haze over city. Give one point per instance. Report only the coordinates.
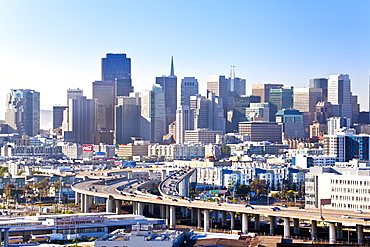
(53, 46)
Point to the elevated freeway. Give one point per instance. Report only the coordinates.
(174, 188)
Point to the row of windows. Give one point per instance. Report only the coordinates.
(351, 198)
(350, 182)
(350, 190)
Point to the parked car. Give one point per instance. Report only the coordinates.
(249, 206)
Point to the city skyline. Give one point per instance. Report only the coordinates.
(278, 42)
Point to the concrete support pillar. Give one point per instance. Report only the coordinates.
(193, 215)
(134, 208)
(286, 227)
(224, 218)
(109, 205)
(77, 197)
(314, 229)
(162, 211)
(118, 206)
(272, 225)
(360, 234)
(232, 220)
(6, 237)
(216, 215)
(140, 208)
(172, 216)
(296, 226)
(184, 212)
(206, 220)
(167, 215)
(339, 230)
(332, 233)
(151, 208)
(244, 223)
(86, 203)
(82, 198)
(257, 224)
(199, 217)
(164, 173)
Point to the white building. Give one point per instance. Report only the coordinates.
(184, 121)
(153, 112)
(346, 187)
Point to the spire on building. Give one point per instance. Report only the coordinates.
(172, 73)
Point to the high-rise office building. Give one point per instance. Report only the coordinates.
(74, 93)
(184, 121)
(169, 86)
(355, 108)
(219, 85)
(208, 112)
(105, 94)
(261, 131)
(236, 84)
(324, 110)
(80, 120)
(23, 111)
(339, 95)
(189, 87)
(116, 66)
(320, 83)
(282, 98)
(127, 119)
(258, 112)
(124, 87)
(263, 90)
(240, 104)
(153, 121)
(292, 122)
(58, 116)
(305, 99)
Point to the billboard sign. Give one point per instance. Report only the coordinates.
(87, 148)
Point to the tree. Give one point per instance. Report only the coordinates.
(242, 189)
(259, 186)
(3, 170)
(225, 151)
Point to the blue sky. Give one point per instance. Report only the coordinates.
(51, 46)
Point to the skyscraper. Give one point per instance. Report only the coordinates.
(127, 119)
(116, 66)
(105, 94)
(184, 121)
(320, 83)
(189, 87)
(153, 114)
(80, 121)
(339, 95)
(282, 98)
(124, 87)
(23, 111)
(169, 86)
(58, 116)
(236, 84)
(219, 85)
(208, 112)
(263, 90)
(74, 93)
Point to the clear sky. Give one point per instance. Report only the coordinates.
(51, 46)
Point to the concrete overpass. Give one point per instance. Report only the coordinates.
(122, 189)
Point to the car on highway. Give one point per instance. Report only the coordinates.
(218, 204)
(275, 208)
(175, 200)
(358, 211)
(249, 206)
(159, 198)
(345, 216)
(284, 206)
